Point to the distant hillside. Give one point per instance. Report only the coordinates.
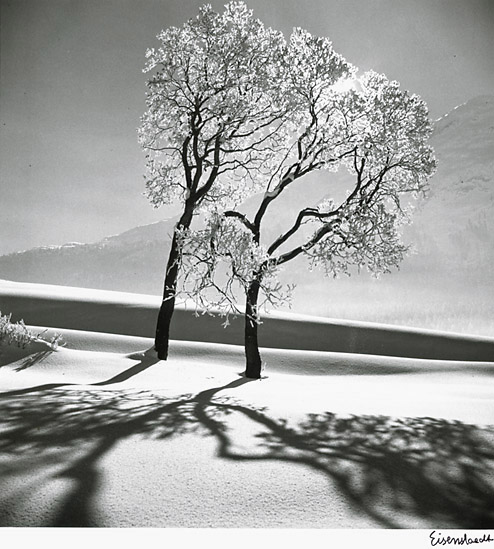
(455, 228)
(453, 231)
(133, 261)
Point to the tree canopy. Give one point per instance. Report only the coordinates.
(215, 108)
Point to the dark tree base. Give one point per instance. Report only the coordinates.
(253, 373)
(162, 353)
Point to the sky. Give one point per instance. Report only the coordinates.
(72, 92)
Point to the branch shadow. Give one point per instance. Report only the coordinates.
(387, 468)
(34, 359)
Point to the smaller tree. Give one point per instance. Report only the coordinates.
(378, 133)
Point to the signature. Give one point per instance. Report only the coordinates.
(439, 539)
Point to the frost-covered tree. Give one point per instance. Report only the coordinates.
(214, 123)
(375, 131)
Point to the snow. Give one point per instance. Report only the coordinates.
(52, 291)
(101, 433)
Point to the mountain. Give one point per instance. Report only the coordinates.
(133, 261)
(453, 231)
(455, 227)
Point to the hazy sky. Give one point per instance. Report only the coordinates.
(72, 91)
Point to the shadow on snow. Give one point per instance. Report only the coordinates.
(387, 468)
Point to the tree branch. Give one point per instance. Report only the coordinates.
(317, 237)
(243, 219)
(202, 191)
(307, 212)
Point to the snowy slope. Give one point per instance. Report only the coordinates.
(456, 224)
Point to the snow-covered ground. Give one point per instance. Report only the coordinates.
(101, 433)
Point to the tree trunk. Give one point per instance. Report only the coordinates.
(253, 358)
(162, 337)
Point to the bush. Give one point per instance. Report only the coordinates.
(17, 333)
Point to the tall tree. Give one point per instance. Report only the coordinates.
(375, 131)
(214, 122)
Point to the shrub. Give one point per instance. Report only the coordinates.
(17, 333)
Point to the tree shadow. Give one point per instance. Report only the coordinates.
(387, 468)
(146, 359)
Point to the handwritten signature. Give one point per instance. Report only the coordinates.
(439, 539)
